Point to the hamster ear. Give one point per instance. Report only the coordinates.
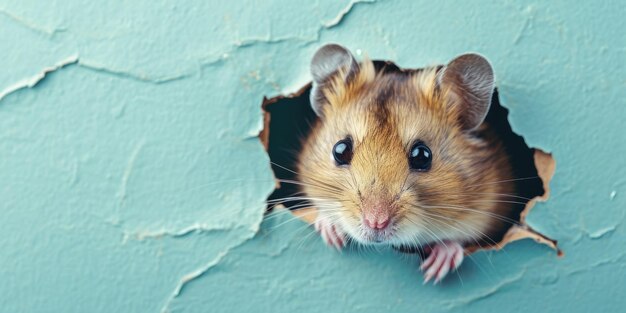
(326, 63)
(471, 78)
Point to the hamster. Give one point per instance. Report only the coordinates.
(403, 157)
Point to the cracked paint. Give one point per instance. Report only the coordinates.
(128, 171)
(337, 20)
(32, 81)
(29, 24)
(82, 85)
(127, 74)
(189, 231)
(462, 302)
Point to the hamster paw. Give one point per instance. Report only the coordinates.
(443, 258)
(331, 234)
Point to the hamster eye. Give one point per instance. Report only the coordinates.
(342, 151)
(420, 157)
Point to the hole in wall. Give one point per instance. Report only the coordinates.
(289, 119)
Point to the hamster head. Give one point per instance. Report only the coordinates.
(397, 157)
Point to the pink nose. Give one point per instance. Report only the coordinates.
(376, 222)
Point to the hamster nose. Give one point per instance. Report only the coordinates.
(377, 221)
(377, 212)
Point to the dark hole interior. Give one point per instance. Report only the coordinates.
(291, 119)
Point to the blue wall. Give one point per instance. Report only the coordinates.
(132, 179)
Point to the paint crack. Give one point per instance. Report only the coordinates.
(463, 302)
(32, 81)
(134, 76)
(184, 232)
(200, 272)
(343, 13)
(30, 25)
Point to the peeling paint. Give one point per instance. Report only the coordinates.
(188, 231)
(618, 259)
(32, 81)
(546, 167)
(337, 20)
(602, 232)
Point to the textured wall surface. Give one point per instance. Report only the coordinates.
(132, 179)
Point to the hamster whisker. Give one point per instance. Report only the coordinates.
(316, 182)
(477, 193)
(304, 204)
(499, 217)
(469, 256)
(295, 198)
(300, 207)
(430, 229)
(296, 173)
(482, 236)
(274, 215)
(316, 207)
(496, 201)
(421, 241)
(424, 226)
(461, 208)
(301, 228)
(467, 228)
(467, 232)
(493, 201)
(286, 199)
(505, 181)
(326, 187)
(305, 214)
(305, 238)
(284, 168)
(301, 175)
(432, 233)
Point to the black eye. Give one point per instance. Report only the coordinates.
(420, 157)
(342, 151)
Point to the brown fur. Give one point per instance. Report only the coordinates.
(385, 113)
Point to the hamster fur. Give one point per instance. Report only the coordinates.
(376, 197)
